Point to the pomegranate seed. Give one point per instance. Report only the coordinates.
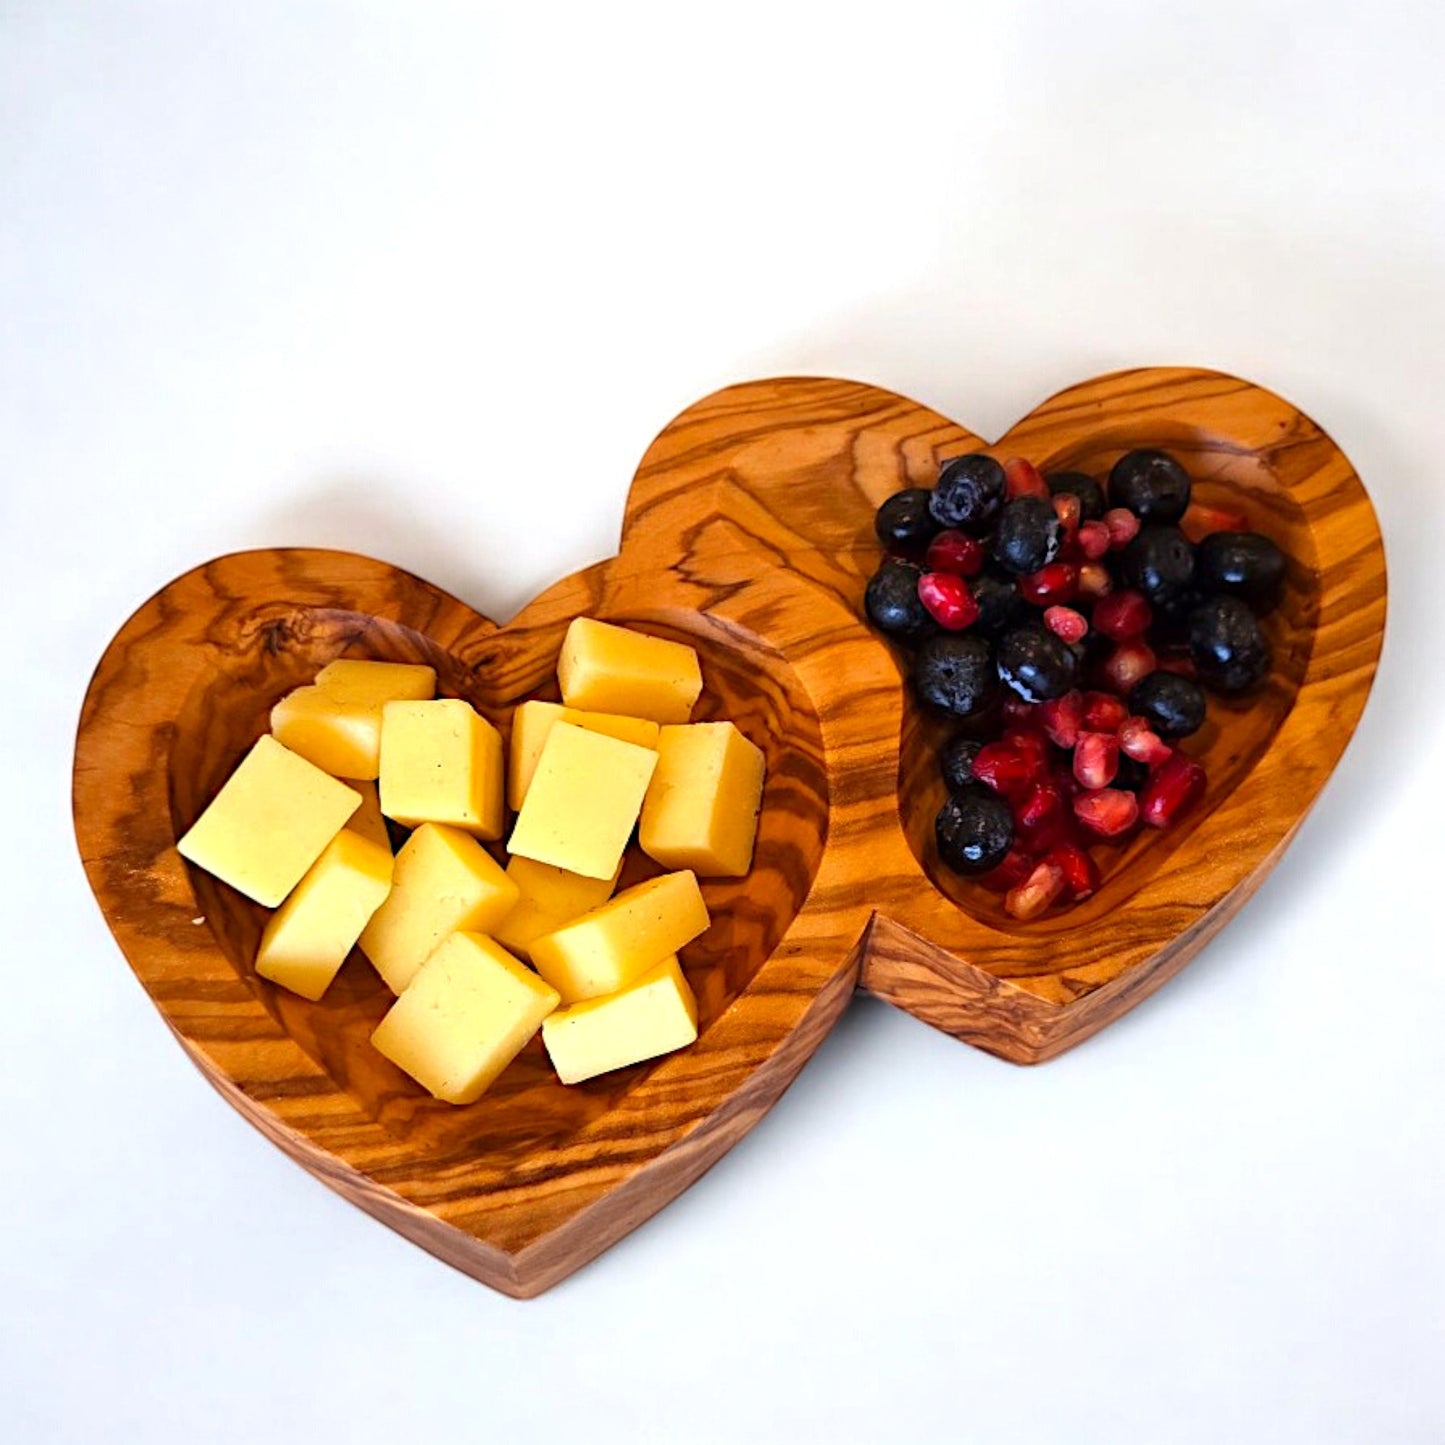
(1019, 714)
(1123, 526)
(1093, 540)
(1141, 742)
(1081, 873)
(1043, 803)
(1127, 664)
(1058, 582)
(1178, 662)
(1122, 615)
(1094, 580)
(955, 552)
(1006, 768)
(1017, 864)
(1172, 789)
(1096, 760)
(1029, 898)
(1102, 712)
(1022, 479)
(1108, 812)
(1066, 623)
(1200, 520)
(948, 600)
(1031, 745)
(1066, 509)
(1061, 717)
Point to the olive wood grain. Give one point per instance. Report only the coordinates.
(804, 463)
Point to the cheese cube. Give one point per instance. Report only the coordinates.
(306, 940)
(532, 723)
(367, 819)
(585, 797)
(269, 822)
(441, 762)
(466, 1015)
(701, 809)
(550, 897)
(336, 722)
(653, 1016)
(614, 945)
(443, 880)
(613, 669)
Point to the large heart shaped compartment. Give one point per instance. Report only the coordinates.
(534, 1179)
(804, 463)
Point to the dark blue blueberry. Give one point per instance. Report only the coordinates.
(1150, 484)
(1241, 564)
(974, 829)
(1036, 664)
(1029, 535)
(955, 672)
(1227, 646)
(969, 493)
(904, 523)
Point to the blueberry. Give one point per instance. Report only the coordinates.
(904, 523)
(1092, 505)
(974, 829)
(1227, 646)
(1150, 484)
(955, 672)
(1241, 564)
(1029, 535)
(1159, 562)
(956, 763)
(1036, 664)
(969, 493)
(892, 604)
(999, 605)
(1172, 704)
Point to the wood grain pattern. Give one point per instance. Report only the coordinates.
(804, 463)
(749, 534)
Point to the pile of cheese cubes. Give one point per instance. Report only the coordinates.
(301, 824)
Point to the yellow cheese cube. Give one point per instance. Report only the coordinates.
(306, 940)
(585, 797)
(550, 897)
(701, 809)
(531, 724)
(367, 819)
(336, 722)
(269, 822)
(466, 1015)
(653, 1016)
(441, 762)
(444, 880)
(614, 945)
(613, 669)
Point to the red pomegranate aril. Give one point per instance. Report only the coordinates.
(1129, 663)
(1041, 888)
(1123, 526)
(1066, 623)
(954, 552)
(1042, 804)
(1081, 873)
(1061, 717)
(948, 600)
(1017, 864)
(1006, 768)
(1096, 760)
(1058, 582)
(1122, 615)
(1020, 714)
(1141, 742)
(1102, 712)
(1199, 520)
(1066, 509)
(1030, 743)
(1094, 580)
(1178, 662)
(1023, 479)
(1093, 540)
(1107, 812)
(1172, 789)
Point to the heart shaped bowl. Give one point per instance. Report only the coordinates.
(748, 534)
(805, 462)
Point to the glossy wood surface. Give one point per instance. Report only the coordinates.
(749, 534)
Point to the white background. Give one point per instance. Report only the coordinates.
(423, 282)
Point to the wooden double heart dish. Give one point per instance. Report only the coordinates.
(748, 534)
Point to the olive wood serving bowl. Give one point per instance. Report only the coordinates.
(748, 534)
